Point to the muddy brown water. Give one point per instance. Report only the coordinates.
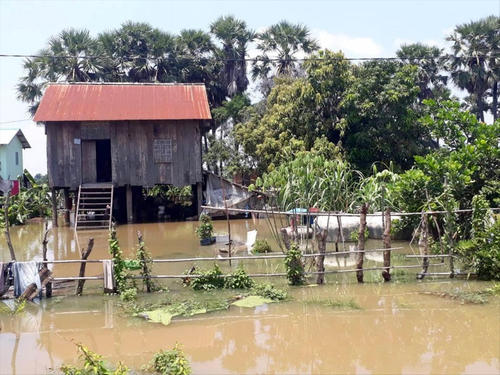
(396, 330)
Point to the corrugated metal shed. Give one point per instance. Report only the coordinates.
(116, 101)
(6, 136)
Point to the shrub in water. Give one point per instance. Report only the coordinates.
(294, 266)
(129, 295)
(208, 280)
(239, 280)
(170, 362)
(261, 246)
(206, 228)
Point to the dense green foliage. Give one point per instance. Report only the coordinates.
(294, 266)
(32, 201)
(267, 290)
(178, 195)
(208, 280)
(119, 269)
(206, 228)
(261, 246)
(238, 280)
(170, 362)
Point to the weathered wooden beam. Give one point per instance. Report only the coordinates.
(130, 213)
(45, 241)
(7, 226)
(31, 290)
(387, 244)
(320, 260)
(286, 238)
(361, 243)
(85, 255)
(423, 244)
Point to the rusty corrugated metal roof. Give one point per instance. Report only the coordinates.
(113, 102)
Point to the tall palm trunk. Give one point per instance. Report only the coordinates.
(494, 105)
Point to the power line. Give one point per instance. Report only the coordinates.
(251, 59)
(14, 121)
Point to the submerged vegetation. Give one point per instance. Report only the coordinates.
(336, 303)
(164, 362)
(294, 266)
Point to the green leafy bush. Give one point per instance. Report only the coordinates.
(128, 295)
(170, 362)
(355, 235)
(93, 364)
(239, 280)
(267, 290)
(119, 269)
(208, 280)
(206, 228)
(261, 246)
(294, 266)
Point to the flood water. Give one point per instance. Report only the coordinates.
(396, 330)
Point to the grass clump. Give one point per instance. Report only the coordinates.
(129, 294)
(267, 290)
(341, 304)
(261, 246)
(169, 362)
(479, 297)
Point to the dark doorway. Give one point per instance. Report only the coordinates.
(103, 160)
(96, 161)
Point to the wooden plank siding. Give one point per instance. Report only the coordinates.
(132, 155)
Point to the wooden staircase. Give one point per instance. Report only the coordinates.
(95, 206)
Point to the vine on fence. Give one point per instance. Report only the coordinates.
(119, 270)
(146, 262)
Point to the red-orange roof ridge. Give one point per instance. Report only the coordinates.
(115, 101)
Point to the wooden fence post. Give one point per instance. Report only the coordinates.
(7, 226)
(45, 241)
(85, 255)
(387, 244)
(361, 243)
(320, 266)
(423, 243)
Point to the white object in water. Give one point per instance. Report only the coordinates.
(251, 238)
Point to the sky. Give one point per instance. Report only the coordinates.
(360, 28)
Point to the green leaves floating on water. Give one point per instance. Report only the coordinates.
(252, 301)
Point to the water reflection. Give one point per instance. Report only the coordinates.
(397, 331)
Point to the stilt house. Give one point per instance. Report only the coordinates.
(107, 141)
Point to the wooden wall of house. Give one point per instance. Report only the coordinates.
(132, 152)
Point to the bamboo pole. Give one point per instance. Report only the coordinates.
(387, 244)
(423, 243)
(361, 243)
(320, 265)
(244, 210)
(227, 217)
(85, 255)
(7, 226)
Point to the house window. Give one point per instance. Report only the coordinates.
(17, 158)
(162, 150)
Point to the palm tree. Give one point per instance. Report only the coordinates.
(280, 44)
(70, 56)
(430, 63)
(474, 64)
(234, 36)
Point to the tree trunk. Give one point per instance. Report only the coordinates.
(361, 243)
(387, 244)
(320, 260)
(83, 265)
(494, 105)
(286, 238)
(423, 244)
(45, 241)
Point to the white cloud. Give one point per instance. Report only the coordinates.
(351, 46)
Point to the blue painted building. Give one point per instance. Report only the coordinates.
(12, 143)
